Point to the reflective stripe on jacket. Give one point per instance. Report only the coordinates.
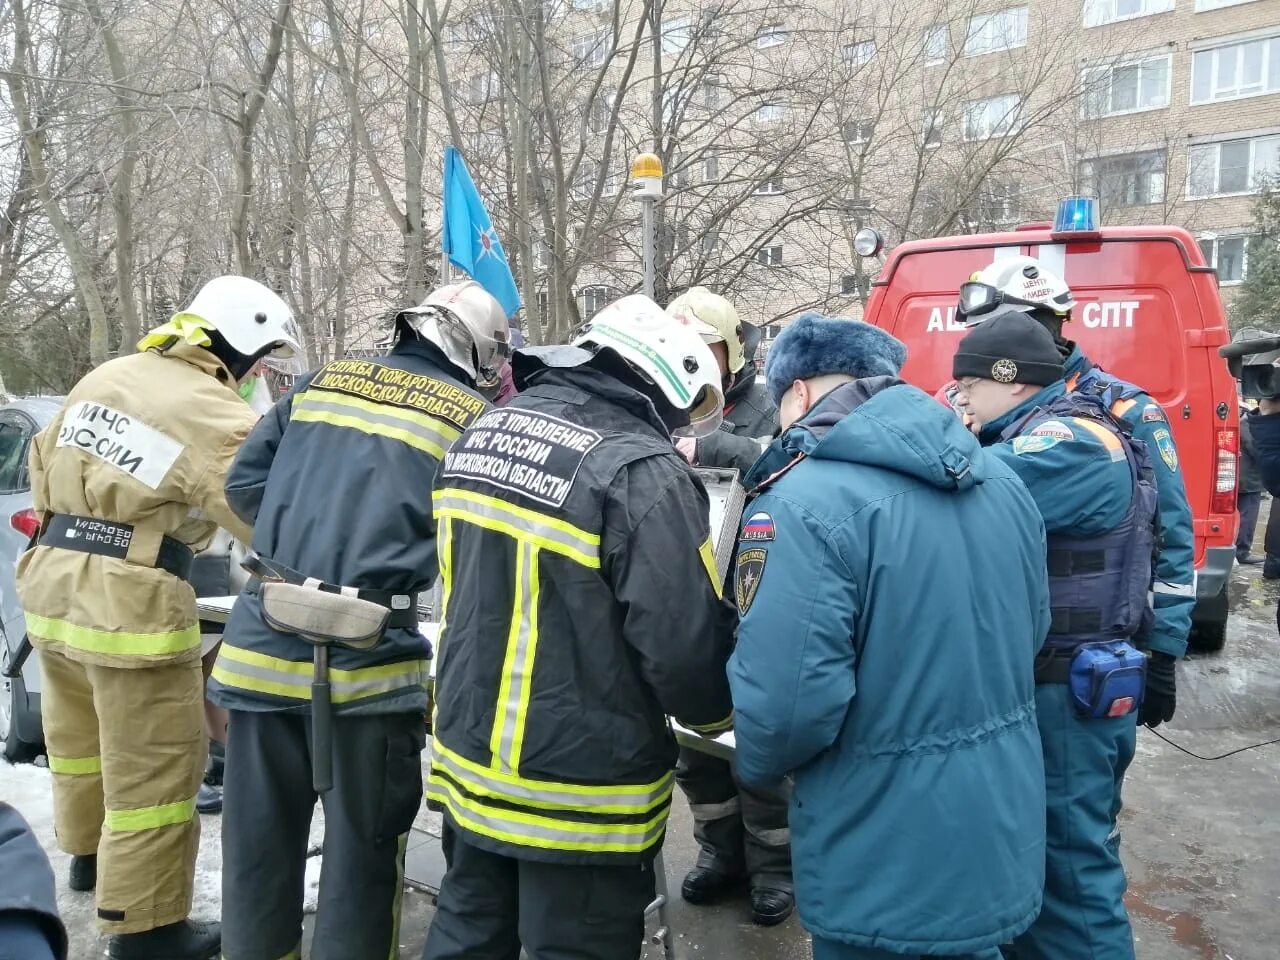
(580, 610)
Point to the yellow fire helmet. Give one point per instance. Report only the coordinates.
(714, 318)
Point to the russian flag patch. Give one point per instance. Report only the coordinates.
(758, 528)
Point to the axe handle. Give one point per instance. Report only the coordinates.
(321, 724)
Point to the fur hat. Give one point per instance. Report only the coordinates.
(814, 346)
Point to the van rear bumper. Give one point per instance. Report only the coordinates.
(1211, 577)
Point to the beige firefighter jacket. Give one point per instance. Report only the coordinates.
(145, 439)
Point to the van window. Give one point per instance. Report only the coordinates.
(13, 458)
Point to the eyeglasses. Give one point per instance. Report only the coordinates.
(966, 384)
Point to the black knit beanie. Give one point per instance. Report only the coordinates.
(1009, 348)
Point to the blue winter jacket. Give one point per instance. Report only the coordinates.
(1175, 584)
(893, 592)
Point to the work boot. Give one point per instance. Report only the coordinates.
(1271, 568)
(84, 872)
(185, 940)
(704, 885)
(1250, 559)
(209, 797)
(770, 906)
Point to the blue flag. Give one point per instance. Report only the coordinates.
(470, 242)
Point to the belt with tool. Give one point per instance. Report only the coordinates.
(403, 606)
(107, 538)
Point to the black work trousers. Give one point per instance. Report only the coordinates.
(491, 905)
(739, 829)
(266, 817)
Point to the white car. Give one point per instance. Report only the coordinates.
(21, 733)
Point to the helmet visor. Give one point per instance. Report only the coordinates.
(978, 300)
(705, 415)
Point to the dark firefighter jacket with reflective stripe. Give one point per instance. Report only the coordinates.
(337, 481)
(750, 422)
(582, 607)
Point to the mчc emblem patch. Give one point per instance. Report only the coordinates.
(747, 576)
(1168, 452)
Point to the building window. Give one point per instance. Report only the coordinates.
(455, 37)
(591, 300)
(770, 256)
(771, 186)
(1127, 87)
(711, 242)
(999, 202)
(584, 181)
(1228, 255)
(992, 117)
(993, 32)
(590, 6)
(1236, 70)
(1126, 180)
(711, 92)
(1098, 12)
(1233, 166)
(773, 35)
(601, 111)
(482, 87)
(849, 286)
(858, 132)
(676, 34)
(589, 49)
(770, 113)
(1203, 5)
(711, 170)
(860, 53)
(936, 41)
(932, 128)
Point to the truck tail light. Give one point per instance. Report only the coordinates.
(1224, 486)
(25, 522)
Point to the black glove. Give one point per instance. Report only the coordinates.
(1161, 698)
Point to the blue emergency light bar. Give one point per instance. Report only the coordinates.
(1077, 215)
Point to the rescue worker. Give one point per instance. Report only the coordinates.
(1026, 285)
(906, 715)
(128, 482)
(1096, 492)
(30, 928)
(741, 832)
(582, 606)
(336, 480)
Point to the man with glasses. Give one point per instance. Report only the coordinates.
(1025, 285)
(1093, 484)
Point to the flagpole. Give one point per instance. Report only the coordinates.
(444, 253)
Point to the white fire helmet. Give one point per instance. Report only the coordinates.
(1020, 283)
(251, 317)
(468, 324)
(716, 320)
(669, 353)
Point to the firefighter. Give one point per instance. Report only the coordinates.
(907, 714)
(582, 606)
(741, 831)
(128, 482)
(1026, 285)
(1095, 489)
(336, 480)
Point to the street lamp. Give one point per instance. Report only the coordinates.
(646, 176)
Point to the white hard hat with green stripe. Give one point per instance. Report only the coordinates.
(669, 353)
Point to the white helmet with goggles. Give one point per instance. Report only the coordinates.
(1018, 283)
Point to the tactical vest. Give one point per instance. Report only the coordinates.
(1100, 587)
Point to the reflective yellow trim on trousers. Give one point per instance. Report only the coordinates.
(708, 555)
(711, 729)
(542, 530)
(92, 640)
(150, 818)
(646, 796)
(421, 431)
(75, 766)
(528, 830)
(261, 673)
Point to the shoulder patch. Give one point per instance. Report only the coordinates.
(1168, 452)
(747, 576)
(1033, 444)
(758, 528)
(1153, 413)
(1052, 428)
(527, 452)
(128, 444)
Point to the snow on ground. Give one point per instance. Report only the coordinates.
(29, 789)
